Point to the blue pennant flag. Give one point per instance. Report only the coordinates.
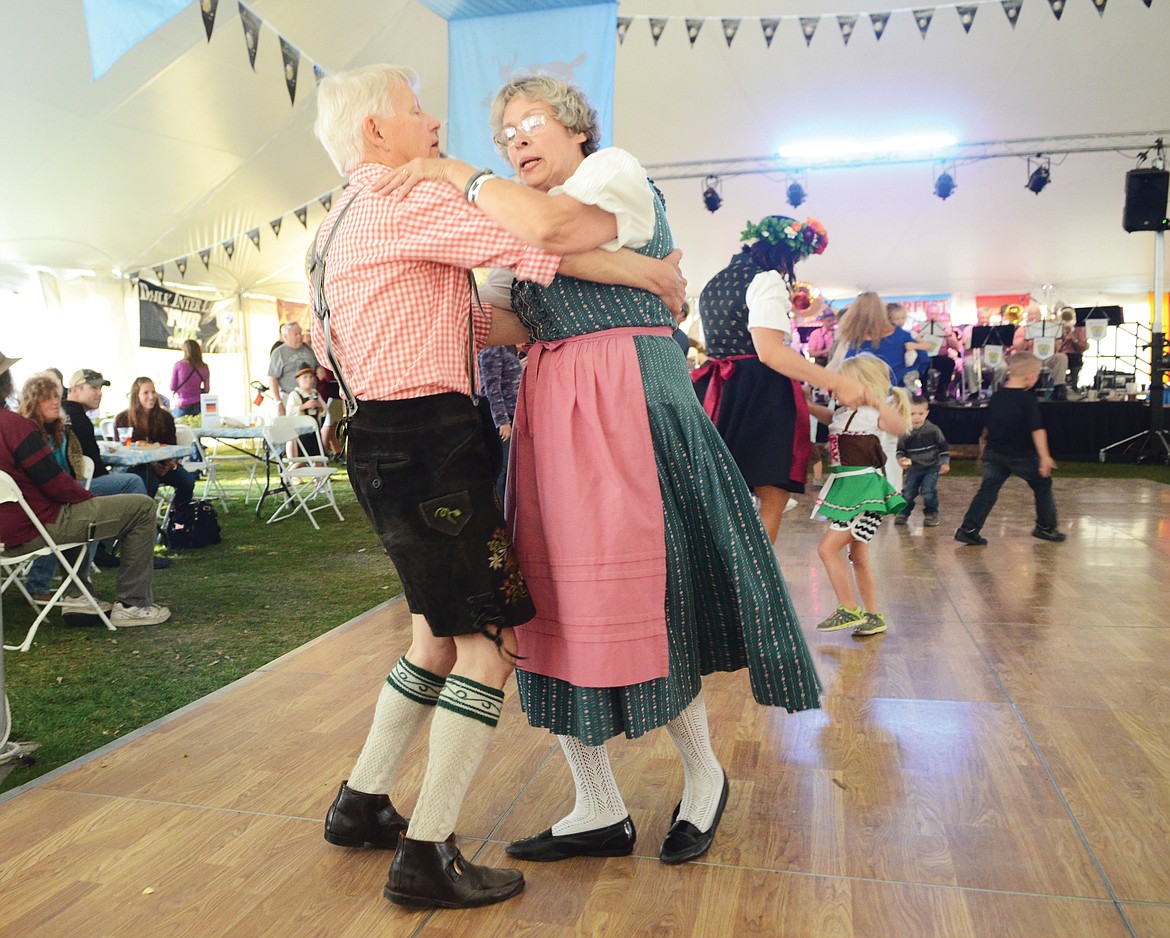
(116, 26)
(574, 43)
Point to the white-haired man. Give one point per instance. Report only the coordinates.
(404, 335)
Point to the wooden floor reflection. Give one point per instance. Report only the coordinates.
(998, 763)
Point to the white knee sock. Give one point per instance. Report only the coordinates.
(464, 721)
(599, 803)
(702, 771)
(407, 699)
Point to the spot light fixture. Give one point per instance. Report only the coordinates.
(796, 195)
(1039, 174)
(711, 197)
(944, 184)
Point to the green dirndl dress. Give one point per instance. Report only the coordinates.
(726, 603)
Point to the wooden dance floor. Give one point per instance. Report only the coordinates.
(997, 764)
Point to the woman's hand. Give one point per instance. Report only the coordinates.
(440, 169)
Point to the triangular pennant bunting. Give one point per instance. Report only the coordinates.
(693, 27)
(159, 271)
(318, 72)
(207, 8)
(181, 264)
(657, 25)
(275, 223)
(967, 16)
(730, 28)
(254, 237)
(923, 18)
(808, 26)
(846, 21)
(1147, 3)
(623, 27)
(326, 201)
(1100, 5)
(292, 61)
(229, 247)
(1011, 9)
(251, 32)
(1057, 7)
(133, 274)
(769, 27)
(879, 21)
(205, 256)
(302, 214)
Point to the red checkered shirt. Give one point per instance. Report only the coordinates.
(396, 285)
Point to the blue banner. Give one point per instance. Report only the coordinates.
(577, 44)
(116, 26)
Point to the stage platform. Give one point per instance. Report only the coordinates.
(996, 764)
(1077, 430)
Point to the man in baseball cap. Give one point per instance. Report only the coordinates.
(88, 376)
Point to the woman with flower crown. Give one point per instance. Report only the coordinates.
(750, 384)
(639, 542)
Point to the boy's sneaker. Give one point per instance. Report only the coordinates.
(931, 519)
(974, 538)
(841, 619)
(1048, 534)
(870, 624)
(127, 617)
(901, 519)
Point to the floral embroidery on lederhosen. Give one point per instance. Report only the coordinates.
(502, 557)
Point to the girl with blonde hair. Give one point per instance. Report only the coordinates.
(864, 485)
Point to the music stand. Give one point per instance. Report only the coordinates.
(1152, 443)
(992, 335)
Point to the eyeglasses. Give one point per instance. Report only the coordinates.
(506, 136)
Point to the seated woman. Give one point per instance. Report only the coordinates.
(152, 424)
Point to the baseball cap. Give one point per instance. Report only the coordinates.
(88, 376)
(6, 362)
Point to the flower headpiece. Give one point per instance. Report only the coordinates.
(801, 238)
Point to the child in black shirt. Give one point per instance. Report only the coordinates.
(1016, 444)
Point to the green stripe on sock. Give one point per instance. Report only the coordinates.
(471, 699)
(415, 683)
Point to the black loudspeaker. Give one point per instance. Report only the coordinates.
(1145, 200)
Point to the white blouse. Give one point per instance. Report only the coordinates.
(769, 306)
(615, 181)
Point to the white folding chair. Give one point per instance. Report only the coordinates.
(107, 428)
(86, 472)
(304, 478)
(13, 566)
(185, 436)
(250, 449)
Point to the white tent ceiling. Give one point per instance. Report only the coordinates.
(181, 146)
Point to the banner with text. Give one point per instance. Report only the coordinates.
(166, 319)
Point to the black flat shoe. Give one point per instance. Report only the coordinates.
(686, 842)
(615, 840)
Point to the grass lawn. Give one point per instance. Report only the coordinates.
(264, 591)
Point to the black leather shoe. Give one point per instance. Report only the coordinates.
(614, 840)
(686, 842)
(356, 819)
(1049, 534)
(426, 874)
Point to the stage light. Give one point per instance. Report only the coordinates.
(944, 186)
(796, 195)
(711, 197)
(1038, 177)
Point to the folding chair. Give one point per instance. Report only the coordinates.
(185, 436)
(13, 565)
(247, 448)
(107, 428)
(304, 478)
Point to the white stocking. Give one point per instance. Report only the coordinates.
(599, 803)
(702, 771)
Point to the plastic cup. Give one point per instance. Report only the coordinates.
(125, 435)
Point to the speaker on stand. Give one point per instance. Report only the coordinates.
(1145, 200)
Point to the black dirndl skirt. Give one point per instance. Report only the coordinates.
(765, 427)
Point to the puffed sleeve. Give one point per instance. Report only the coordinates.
(769, 306)
(614, 180)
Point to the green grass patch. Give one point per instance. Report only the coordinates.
(267, 589)
(1083, 470)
